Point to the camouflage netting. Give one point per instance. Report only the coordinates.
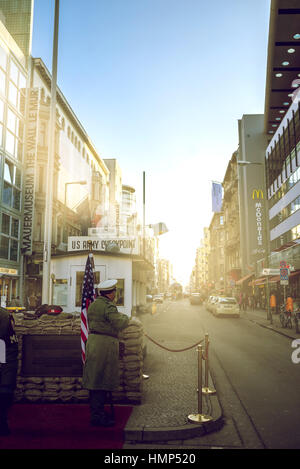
(69, 389)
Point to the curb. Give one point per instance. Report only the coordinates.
(144, 434)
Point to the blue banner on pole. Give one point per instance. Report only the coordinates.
(216, 197)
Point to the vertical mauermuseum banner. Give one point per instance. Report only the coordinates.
(30, 168)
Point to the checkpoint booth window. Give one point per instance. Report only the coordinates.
(119, 300)
(79, 285)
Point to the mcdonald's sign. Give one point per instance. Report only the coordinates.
(257, 193)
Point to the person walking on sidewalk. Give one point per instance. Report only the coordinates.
(273, 303)
(289, 306)
(101, 368)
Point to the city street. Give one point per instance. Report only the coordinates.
(256, 381)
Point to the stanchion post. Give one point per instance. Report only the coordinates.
(199, 418)
(206, 389)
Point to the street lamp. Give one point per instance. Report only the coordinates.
(266, 258)
(82, 183)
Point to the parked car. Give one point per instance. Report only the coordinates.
(209, 304)
(158, 299)
(226, 306)
(196, 299)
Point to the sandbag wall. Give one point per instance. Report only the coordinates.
(69, 389)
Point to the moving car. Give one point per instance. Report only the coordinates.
(196, 299)
(226, 306)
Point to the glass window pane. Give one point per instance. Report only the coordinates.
(1, 135)
(14, 72)
(15, 227)
(1, 110)
(11, 121)
(10, 143)
(4, 247)
(2, 82)
(13, 94)
(14, 250)
(22, 81)
(16, 199)
(5, 224)
(3, 58)
(7, 194)
(9, 172)
(18, 178)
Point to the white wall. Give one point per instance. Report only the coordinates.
(65, 267)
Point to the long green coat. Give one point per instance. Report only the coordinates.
(101, 368)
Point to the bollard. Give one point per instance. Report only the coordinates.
(206, 389)
(153, 308)
(199, 418)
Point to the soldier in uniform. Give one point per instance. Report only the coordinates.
(101, 368)
(8, 367)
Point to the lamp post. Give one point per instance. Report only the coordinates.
(82, 183)
(50, 166)
(267, 252)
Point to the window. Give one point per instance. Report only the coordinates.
(16, 87)
(120, 292)
(12, 186)
(14, 135)
(79, 285)
(9, 243)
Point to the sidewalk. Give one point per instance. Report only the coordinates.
(170, 397)
(259, 316)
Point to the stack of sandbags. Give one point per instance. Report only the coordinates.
(131, 366)
(69, 389)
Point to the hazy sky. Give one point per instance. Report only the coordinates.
(159, 85)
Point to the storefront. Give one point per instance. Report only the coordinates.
(9, 281)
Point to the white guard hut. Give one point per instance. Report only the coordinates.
(116, 259)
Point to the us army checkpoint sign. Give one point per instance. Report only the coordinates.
(128, 245)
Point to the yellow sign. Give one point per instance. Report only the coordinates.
(258, 193)
(3, 270)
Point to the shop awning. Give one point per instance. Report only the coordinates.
(294, 274)
(258, 281)
(243, 279)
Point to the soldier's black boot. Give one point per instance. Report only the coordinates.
(99, 418)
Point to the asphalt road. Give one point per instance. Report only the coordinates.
(257, 382)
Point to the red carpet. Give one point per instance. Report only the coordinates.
(61, 426)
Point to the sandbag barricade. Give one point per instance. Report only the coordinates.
(69, 389)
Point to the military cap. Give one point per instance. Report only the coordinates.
(107, 285)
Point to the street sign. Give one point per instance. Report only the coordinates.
(284, 276)
(270, 272)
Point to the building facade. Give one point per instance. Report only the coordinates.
(231, 226)
(13, 85)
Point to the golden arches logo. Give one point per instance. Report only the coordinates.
(258, 194)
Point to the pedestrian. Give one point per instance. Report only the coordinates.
(33, 302)
(8, 367)
(101, 368)
(241, 301)
(273, 303)
(289, 306)
(15, 301)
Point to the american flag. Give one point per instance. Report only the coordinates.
(88, 296)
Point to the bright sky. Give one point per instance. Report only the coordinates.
(159, 85)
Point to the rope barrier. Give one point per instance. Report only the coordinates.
(172, 350)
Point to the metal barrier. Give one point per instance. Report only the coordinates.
(206, 390)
